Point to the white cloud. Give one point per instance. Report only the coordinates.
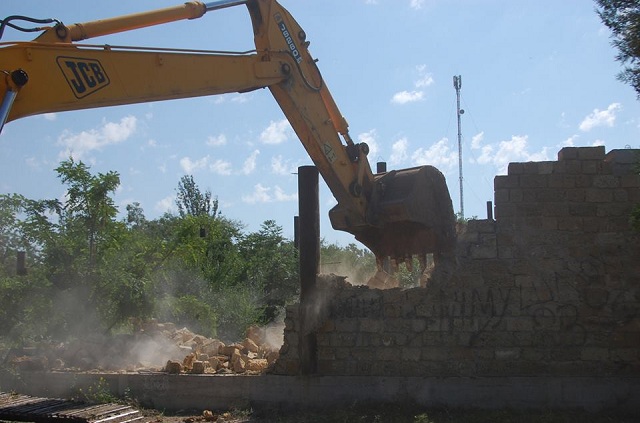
(221, 167)
(276, 132)
(600, 118)
(217, 141)
(50, 116)
(399, 151)
(167, 204)
(404, 97)
(425, 79)
(280, 166)
(33, 163)
(232, 97)
(79, 145)
(513, 150)
(262, 194)
(439, 155)
(189, 166)
(570, 142)
(416, 4)
(250, 163)
(476, 141)
(281, 196)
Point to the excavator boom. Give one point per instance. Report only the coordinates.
(394, 214)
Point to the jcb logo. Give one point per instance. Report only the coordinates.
(85, 76)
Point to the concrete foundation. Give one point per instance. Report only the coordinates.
(180, 392)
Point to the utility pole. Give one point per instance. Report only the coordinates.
(457, 84)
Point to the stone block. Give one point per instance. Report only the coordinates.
(569, 167)
(534, 181)
(410, 354)
(370, 325)
(584, 181)
(592, 167)
(515, 195)
(620, 195)
(627, 155)
(582, 209)
(630, 181)
(561, 181)
(509, 181)
(575, 195)
(546, 168)
(435, 354)
(591, 153)
(613, 209)
(568, 153)
(594, 354)
(507, 354)
(599, 195)
(530, 168)
(481, 225)
(386, 354)
(515, 168)
(606, 181)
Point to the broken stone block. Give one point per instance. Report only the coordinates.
(198, 367)
(229, 349)
(272, 356)
(187, 363)
(250, 346)
(257, 365)
(173, 367)
(256, 334)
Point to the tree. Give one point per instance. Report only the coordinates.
(88, 199)
(622, 17)
(192, 202)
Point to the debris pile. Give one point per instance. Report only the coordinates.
(253, 355)
(152, 347)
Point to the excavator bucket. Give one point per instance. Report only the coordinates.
(411, 215)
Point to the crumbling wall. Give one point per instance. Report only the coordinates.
(551, 287)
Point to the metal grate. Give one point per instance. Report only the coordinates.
(24, 408)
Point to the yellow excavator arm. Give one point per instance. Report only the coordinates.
(54, 73)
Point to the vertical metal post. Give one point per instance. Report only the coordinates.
(309, 231)
(21, 263)
(457, 84)
(296, 232)
(489, 210)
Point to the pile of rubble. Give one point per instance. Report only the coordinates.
(254, 355)
(154, 347)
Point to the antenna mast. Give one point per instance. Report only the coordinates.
(457, 84)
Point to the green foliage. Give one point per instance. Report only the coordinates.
(192, 202)
(90, 273)
(98, 393)
(622, 17)
(358, 264)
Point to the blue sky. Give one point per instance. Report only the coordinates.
(536, 76)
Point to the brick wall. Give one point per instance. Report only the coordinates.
(551, 287)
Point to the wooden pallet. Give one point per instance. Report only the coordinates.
(24, 408)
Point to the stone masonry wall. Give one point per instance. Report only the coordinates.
(551, 287)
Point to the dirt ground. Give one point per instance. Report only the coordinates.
(390, 414)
